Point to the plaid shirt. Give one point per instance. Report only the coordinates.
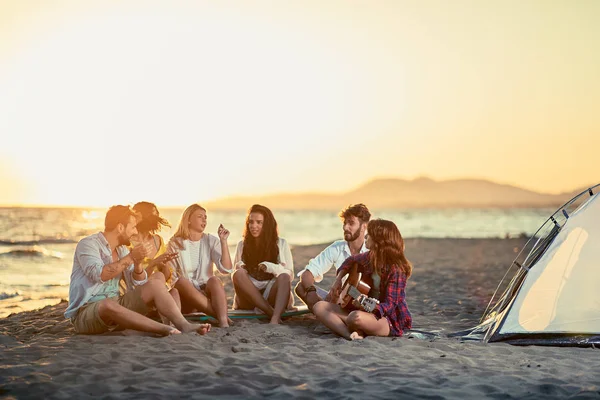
(392, 297)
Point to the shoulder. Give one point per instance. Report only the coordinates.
(282, 243)
(337, 246)
(395, 273)
(176, 243)
(212, 240)
(89, 241)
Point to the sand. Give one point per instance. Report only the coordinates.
(452, 282)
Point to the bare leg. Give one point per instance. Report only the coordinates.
(155, 292)
(112, 312)
(175, 295)
(311, 298)
(363, 323)
(332, 316)
(248, 293)
(192, 298)
(279, 296)
(218, 300)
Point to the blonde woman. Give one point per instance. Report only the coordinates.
(193, 270)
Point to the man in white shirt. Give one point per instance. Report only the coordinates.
(355, 219)
(100, 261)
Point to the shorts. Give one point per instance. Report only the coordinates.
(88, 321)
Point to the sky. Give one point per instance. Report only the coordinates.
(106, 102)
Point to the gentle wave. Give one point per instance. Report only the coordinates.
(35, 242)
(4, 295)
(34, 251)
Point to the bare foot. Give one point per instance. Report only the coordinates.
(356, 336)
(201, 329)
(275, 321)
(169, 330)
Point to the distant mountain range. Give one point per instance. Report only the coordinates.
(401, 193)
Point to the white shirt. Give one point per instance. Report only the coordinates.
(198, 258)
(91, 255)
(333, 256)
(285, 258)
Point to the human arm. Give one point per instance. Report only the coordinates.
(238, 263)
(89, 257)
(394, 294)
(321, 264)
(336, 288)
(219, 252)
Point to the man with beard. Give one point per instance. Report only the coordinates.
(99, 263)
(355, 219)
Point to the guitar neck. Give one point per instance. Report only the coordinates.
(353, 292)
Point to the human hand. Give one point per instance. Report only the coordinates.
(165, 258)
(139, 252)
(223, 233)
(334, 292)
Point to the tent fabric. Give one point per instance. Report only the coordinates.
(553, 299)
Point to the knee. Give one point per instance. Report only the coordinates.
(157, 276)
(299, 290)
(355, 319)
(214, 281)
(156, 283)
(320, 308)
(284, 280)
(307, 278)
(106, 307)
(238, 275)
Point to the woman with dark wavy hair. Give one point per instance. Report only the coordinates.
(385, 268)
(264, 267)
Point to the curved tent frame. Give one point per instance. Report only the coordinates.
(498, 306)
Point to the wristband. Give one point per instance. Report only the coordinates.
(311, 288)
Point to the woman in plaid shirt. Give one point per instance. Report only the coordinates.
(386, 269)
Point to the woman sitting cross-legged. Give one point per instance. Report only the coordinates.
(264, 267)
(192, 271)
(386, 270)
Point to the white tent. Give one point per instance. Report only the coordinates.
(554, 297)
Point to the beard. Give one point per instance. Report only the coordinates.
(351, 237)
(124, 240)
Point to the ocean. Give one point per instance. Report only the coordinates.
(37, 244)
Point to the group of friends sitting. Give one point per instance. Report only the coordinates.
(126, 273)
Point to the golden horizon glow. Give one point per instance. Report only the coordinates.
(179, 102)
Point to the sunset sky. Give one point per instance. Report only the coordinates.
(105, 102)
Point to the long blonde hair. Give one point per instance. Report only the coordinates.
(183, 229)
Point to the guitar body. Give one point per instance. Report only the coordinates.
(354, 280)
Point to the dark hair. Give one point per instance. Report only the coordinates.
(118, 215)
(150, 221)
(388, 247)
(264, 249)
(359, 211)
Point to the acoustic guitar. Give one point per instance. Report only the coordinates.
(356, 290)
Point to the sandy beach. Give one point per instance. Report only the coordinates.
(453, 279)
